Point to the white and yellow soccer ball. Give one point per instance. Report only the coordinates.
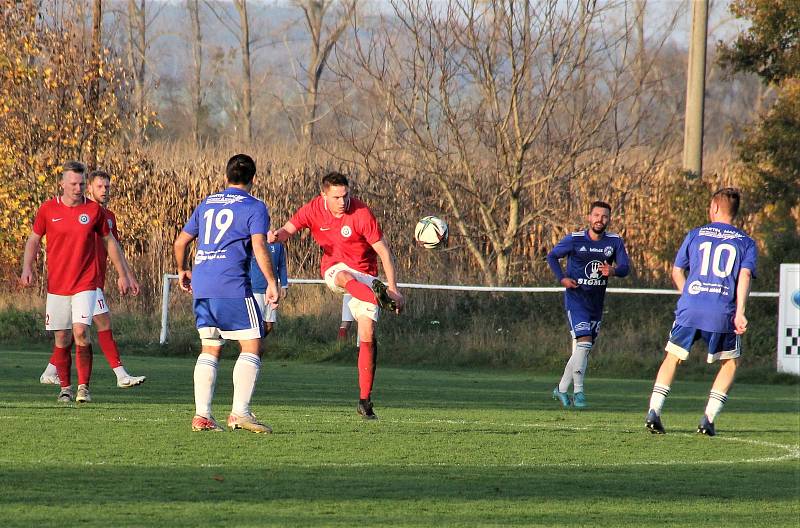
(431, 232)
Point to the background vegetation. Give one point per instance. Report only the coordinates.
(506, 118)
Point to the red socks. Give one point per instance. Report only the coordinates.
(366, 369)
(360, 291)
(62, 359)
(109, 347)
(83, 364)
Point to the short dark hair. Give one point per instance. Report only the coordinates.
(74, 166)
(334, 179)
(240, 169)
(97, 173)
(728, 200)
(599, 203)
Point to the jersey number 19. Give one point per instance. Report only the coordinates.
(222, 220)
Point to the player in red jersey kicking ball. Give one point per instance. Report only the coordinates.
(71, 223)
(99, 190)
(351, 242)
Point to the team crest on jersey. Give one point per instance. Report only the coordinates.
(346, 231)
(83, 219)
(608, 251)
(592, 269)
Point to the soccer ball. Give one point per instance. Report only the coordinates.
(431, 232)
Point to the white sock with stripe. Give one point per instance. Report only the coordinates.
(581, 355)
(660, 393)
(245, 375)
(715, 402)
(566, 378)
(205, 377)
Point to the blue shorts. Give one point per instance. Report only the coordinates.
(720, 345)
(221, 319)
(583, 323)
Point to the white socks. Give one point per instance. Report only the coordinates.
(205, 376)
(660, 393)
(575, 370)
(245, 375)
(121, 373)
(715, 402)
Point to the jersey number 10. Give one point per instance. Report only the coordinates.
(715, 259)
(222, 220)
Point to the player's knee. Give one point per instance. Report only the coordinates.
(81, 335)
(342, 278)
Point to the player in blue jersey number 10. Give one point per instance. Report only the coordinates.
(721, 260)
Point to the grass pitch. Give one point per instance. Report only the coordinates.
(452, 448)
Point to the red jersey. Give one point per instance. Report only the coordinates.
(347, 239)
(100, 249)
(71, 237)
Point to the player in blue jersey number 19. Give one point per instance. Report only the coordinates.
(231, 228)
(721, 260)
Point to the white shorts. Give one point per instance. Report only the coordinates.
(347, 316)
(270, 314)
(100, 304)
(62, 311)
(358, 308)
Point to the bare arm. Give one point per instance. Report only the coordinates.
(264, 260)
(281, 234)
(124, 281)
(179, 248)
(134, 284)
(679, 278)
(32, 246)
(742, 291)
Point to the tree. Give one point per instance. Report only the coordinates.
(320, 49)
(770, 48)
(506, 110)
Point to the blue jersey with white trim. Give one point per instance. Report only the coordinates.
(223, 224)
(584, 258)
(714, 254)
(278, 255)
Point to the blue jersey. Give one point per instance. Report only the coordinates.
(258, 280)
(223, 224)
(584, 258)
(714, 254)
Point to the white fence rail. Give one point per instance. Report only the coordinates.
(168, 277)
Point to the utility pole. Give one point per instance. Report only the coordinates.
(94, 82)
(695, 90)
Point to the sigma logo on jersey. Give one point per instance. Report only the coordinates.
(593, 275)
(83, 219)
(346, 231)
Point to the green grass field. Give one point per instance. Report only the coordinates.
(452, 448)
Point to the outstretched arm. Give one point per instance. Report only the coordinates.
(281, 234)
